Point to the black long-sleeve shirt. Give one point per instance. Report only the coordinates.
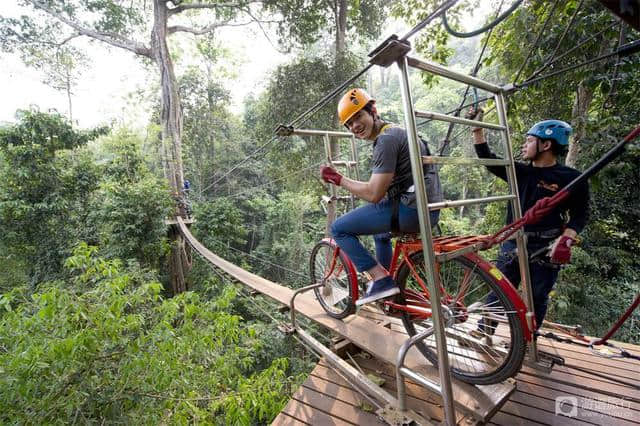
(535, 183)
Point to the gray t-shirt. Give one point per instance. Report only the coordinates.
(391, 155)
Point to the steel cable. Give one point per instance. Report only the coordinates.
(538, 38)
(490, 26)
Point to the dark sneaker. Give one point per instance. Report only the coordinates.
(380, 289)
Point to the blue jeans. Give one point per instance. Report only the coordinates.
(374, 219)
(543, 276)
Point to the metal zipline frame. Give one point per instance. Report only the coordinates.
(395, 51)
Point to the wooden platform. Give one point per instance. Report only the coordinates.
(326, 398)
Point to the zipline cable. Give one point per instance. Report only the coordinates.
(288, 175)
(490, 26)
(560, 40)
(435, 14)
(247, 158)
(582, 43)
(538, 38)
(302, 118)
(625, 50)
(474, 72)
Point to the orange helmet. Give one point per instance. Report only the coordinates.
(352, 101)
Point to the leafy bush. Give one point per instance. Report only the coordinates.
(118, 351)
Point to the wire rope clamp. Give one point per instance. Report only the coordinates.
(389, 51)
(286, 329)
(283, 130)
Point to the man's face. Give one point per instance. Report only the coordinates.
(361, 124)
(529, 150)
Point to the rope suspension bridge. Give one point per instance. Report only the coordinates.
(436, 371)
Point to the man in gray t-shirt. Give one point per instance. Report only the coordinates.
(390, 190)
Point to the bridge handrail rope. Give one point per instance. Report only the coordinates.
(262, 259)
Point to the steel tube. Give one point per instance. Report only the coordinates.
(309, 132)
(427, 241)
(463, 161)
(521, 240)
(442, 71)
(293, 298)
(451, 119)
(402, 353)
(416, 377)
(470, 201)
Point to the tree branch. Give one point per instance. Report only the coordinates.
(111, 39)
(182, 7)
(196, 31)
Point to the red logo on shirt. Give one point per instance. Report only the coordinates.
(549, 186)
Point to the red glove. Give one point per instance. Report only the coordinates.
(561, 251)
(330, 175)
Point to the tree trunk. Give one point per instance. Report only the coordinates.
(341, 26)
(171, 116)
(584, 97)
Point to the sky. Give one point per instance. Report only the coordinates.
(100, 96)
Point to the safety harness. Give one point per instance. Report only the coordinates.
(395, 192)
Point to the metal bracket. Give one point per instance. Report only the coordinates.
(395, 417)
(286, 329)
(283, 130)
(389, 51)
(545, 361)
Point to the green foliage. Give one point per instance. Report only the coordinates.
(119, 352)
(306, 21)
(43, 190)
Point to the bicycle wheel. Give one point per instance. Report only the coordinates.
(325, 265)
(480, 353)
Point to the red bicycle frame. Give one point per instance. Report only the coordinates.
(420, 306)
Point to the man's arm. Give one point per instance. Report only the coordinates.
(373, 190)
(482, 149)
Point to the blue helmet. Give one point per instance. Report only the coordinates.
(556, 130)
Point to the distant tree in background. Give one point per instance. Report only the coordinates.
(42, 188)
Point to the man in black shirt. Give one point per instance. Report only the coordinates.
(541, 177)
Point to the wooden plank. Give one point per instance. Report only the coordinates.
(306, 414)
(545, 409)
(283, 419)
(552, 390)
(418, 403)
(584, 381)
(337, 409)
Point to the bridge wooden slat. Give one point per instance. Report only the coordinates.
(415, 398)
(284, 419)
(542, 408)
(552, 390)
(337, 409)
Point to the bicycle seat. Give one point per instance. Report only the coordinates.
(406, 236)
